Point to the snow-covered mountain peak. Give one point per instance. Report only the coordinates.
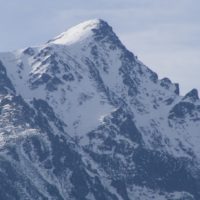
(192, 95)
(82, 118)
(79, 32)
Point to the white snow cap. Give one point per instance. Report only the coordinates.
(77, 33)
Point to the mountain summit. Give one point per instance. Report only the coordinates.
(82, 32)
(83, 119)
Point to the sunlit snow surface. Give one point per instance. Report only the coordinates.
(77, 33)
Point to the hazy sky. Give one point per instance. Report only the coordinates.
(164, 34)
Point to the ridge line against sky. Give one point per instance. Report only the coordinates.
(163, 34)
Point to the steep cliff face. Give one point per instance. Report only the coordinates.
(82, 118)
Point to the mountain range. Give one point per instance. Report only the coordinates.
(81, 118)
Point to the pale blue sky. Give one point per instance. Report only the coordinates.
(165, 35)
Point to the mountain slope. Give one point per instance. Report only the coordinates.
(83, 118)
